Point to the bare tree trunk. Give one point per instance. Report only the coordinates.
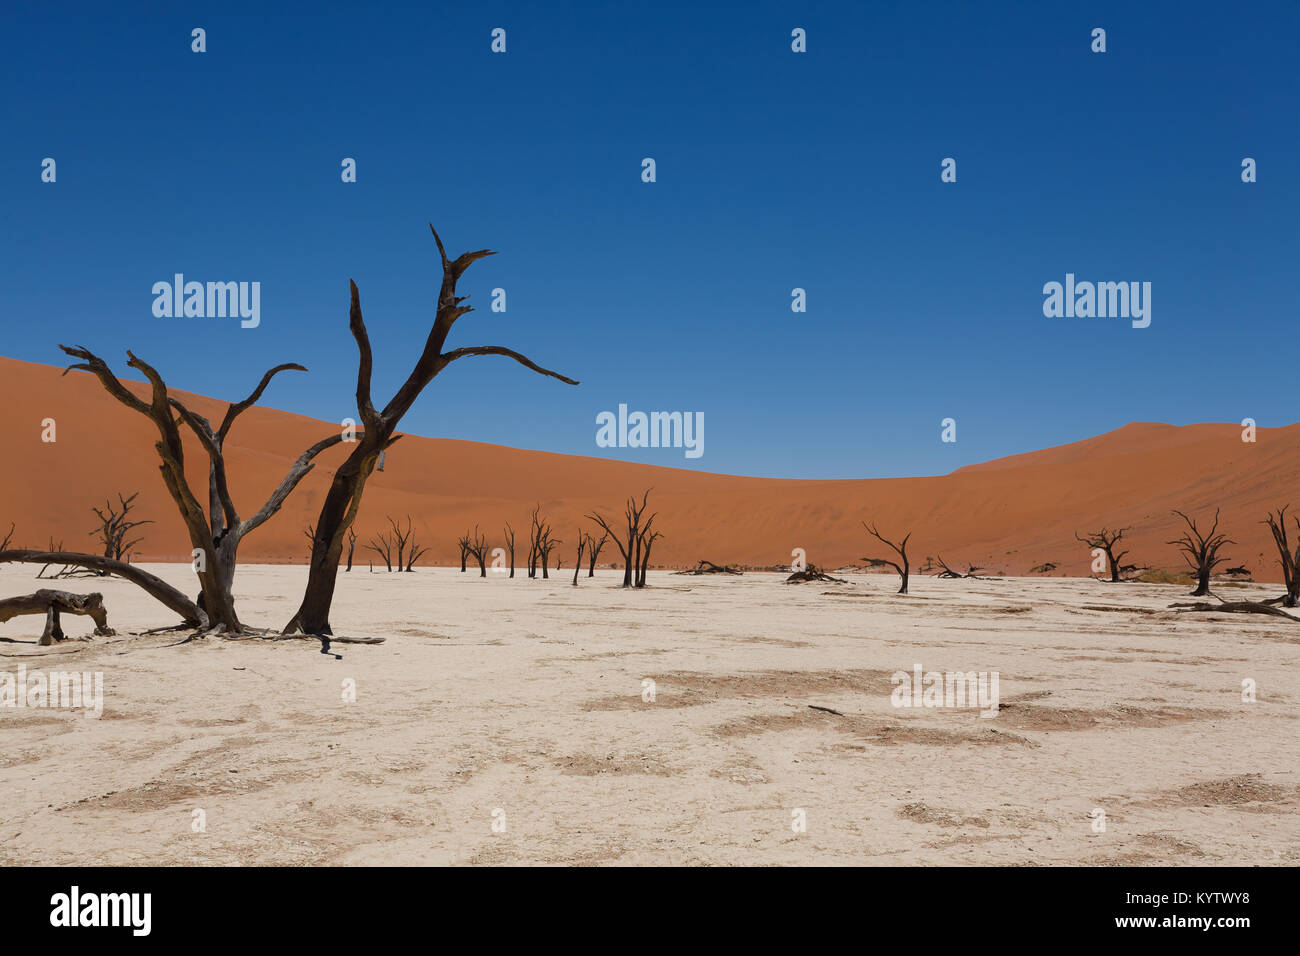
(344, 497)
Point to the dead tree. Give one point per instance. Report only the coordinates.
(900, 549)
(584, 541)
(547, 544)
(8, 539)
(593, 552)
(382, 545)
(344, 497)
(1107, 540)
(401, 538)
(542, 543)
(414, 554)
(630, 546)
(214, 536)
(51, 604)
(115, 526)
(1201, 551)
(510, 546)
(646, 541)
(948, 572)
(1290, 560)
(463, 543)
(536, 531)
(352, 544)
(476, 545)
(191, 614)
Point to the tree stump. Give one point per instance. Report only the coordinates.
(51, 603)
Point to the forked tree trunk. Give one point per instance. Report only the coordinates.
(343, 500)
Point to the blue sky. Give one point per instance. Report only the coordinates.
(775, 170)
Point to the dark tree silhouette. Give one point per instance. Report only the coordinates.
(1107, 540)
(115, 527)
(1201, 550)
(593, 552)
(1290, 560)
(352, 544)
(215, 537)
(476, 545)
(948, 572)
(7, 540)
(383, 545)
(630, 546)
(584, 541)
(344, 497)
(510, 546)
(645, 541)
(900, 549)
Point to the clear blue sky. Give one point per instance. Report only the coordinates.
(775, 170)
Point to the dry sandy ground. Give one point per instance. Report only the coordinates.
(525, 697)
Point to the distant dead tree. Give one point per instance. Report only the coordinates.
(584, 541)
(401, 538)
(7, 540)
(645, 541)
(542, 544)
(510, 546)
(463, 543)
(383, 545)
(352, 544)
(1201, 550)
(634, 540)
(948, 572)
(344, 496)
(214, 536)
(1290, 560)
(593, 552)
(414, 553)
(546, 545)
(115, 527)
(1107, 540)
(476, 545)
(1043, 568)
(900, 549)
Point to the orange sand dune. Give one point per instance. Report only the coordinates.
(1005, 515)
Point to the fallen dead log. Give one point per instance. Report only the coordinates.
(1233, 607)
(51, 603)
(156, 587)
(708, 567)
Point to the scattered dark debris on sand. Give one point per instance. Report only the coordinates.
(813, 573)
(708, 567)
